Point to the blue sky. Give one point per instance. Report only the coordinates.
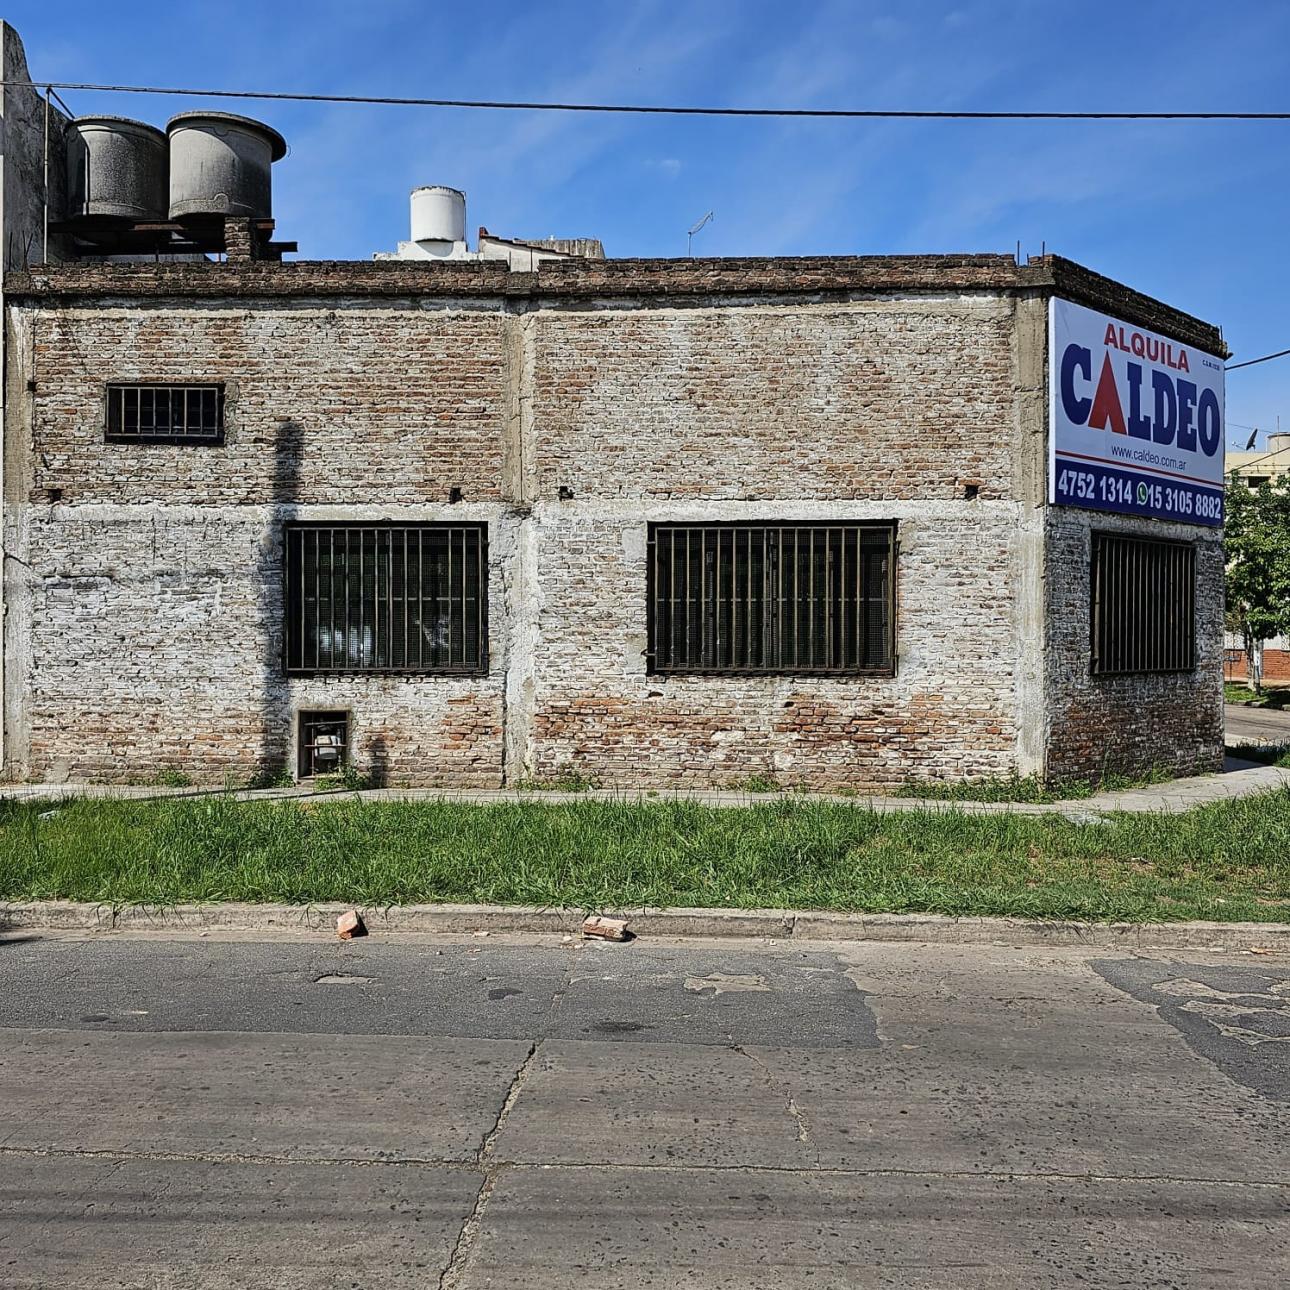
(1194, 213)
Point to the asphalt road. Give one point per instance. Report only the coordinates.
(473, 1113)
(1246, 725)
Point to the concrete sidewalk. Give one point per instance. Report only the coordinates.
(1238, 779)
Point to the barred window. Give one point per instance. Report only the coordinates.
(1144, 605)
(165, 414)
(386, 598)
(767, 598)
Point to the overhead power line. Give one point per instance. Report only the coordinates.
(653, 109)
(1250, 362)
(1248, 465)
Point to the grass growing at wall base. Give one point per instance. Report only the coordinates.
(1030, 788)
(1225, 861)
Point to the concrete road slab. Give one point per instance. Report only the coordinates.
(286, 1096)
(748, 1230)
(1033, 1063)
(962, 1113)
(177, 1224)
(693, 1114)
(651, 1103)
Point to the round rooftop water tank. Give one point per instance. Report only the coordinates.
(219, 165)
(438, 214)
(116, 169)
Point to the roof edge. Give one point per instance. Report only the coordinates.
(577, 277)
(1074, 281)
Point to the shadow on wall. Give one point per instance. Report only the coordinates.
(378, 773)
(275, 693)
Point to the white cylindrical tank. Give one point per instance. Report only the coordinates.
(1278, 442)
(116, 169)
(220, 165)
(438, 214)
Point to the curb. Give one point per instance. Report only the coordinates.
(773, 924)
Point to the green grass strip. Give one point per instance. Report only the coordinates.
(1227, 861)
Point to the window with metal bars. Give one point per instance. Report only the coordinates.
(386, 598)
(768, 598)
(165, 414)
(1144, 605)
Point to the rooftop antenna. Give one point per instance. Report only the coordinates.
(689, 237)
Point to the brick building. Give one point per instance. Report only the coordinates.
(666, 522)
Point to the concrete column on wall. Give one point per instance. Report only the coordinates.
(32, 190)
(519, 556)
(1030, 434)
(17, 515)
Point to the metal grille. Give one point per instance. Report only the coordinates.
(165, 413)
(1144, 605)
(816, 598)
(411, 598)
(323, 743)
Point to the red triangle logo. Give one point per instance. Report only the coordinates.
(1106, 402)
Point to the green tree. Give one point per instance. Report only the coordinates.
(1257, 546)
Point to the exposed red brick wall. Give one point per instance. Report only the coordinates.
(323, 405)
(1128, 724)
(1276, 666)
(572, 407)
(874, 401)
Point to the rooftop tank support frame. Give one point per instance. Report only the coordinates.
(44, 246)
(169, 237)
(58, 98)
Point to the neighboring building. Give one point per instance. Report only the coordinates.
(1257, 468)
(438, 232)
(667, 522)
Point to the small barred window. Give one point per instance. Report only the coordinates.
(165, 414)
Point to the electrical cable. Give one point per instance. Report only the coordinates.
(651, 109)
(1250, 362)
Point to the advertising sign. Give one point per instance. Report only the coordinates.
(1135, 420)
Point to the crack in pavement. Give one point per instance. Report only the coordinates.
(234, 1158)
(802, 1124)
(94, 1185)
(485, 1160)
(463, 1247)
(824, 1171)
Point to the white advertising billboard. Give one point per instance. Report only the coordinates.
(1136, 421)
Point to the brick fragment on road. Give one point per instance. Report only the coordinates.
(606, 929)
(349, 925)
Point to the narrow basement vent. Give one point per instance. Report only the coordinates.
(322, 743)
